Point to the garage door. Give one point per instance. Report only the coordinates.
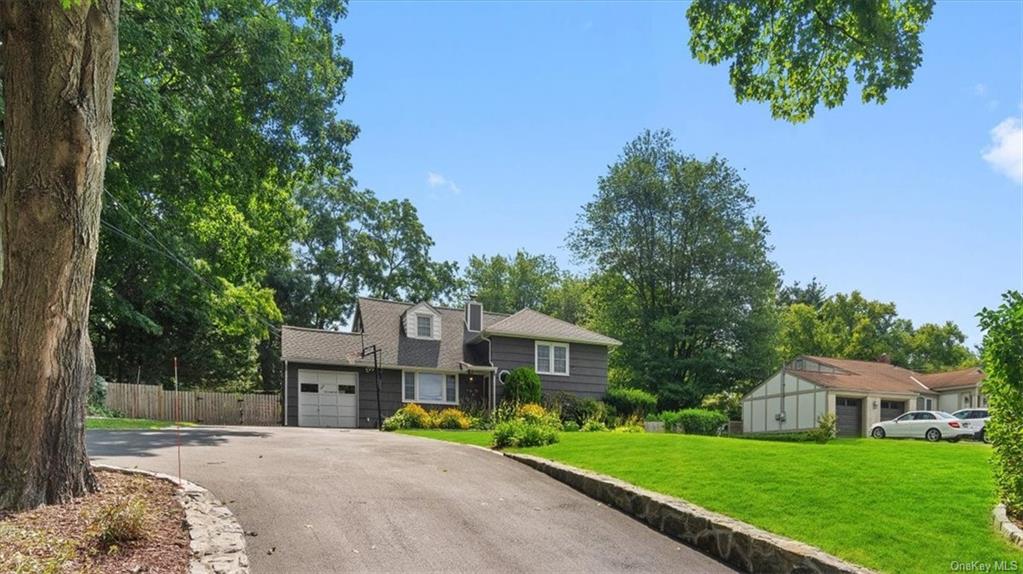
(849, 412)
(327, 399)
(892, 409)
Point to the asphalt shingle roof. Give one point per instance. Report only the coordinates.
(883, 377)
(535, 325)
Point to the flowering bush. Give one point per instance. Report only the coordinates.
(410, 416)
(450, 419)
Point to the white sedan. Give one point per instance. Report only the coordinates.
(975, 420)
(931, 425)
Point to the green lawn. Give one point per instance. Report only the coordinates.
(479, 438)
(895, 506)
(122, 424)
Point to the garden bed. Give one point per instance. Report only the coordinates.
(133, 524)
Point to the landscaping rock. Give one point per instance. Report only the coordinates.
(1006, 526)
(739, 544)
(217, 540)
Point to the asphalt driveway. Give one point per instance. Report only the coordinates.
(323, 500)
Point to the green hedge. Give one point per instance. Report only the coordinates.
(1003, 385)
(693, 421)
(631, 402)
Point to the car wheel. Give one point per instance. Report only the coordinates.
(933, 435)
(984, 437)
(877, 433)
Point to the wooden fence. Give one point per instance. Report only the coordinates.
(152, 402)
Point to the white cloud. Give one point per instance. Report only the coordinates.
(1005, 154)
(436, 180)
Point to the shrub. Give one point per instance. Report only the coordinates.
(629, 429)
(728, 403)
(410, 416)
(450, 418)
(521, 433)
(570, 426)
(628, 401)
(693, 421)
(593, 425)
(120, 521)
(827, 428)
(523, 386)
(778, 437)
(1003, 385)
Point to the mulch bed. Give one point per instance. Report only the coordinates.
(66, 538)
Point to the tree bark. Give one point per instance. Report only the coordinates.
(58, 76)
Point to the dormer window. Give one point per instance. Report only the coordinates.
(424, 326)
(422, 321)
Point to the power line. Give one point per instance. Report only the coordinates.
(169, 254)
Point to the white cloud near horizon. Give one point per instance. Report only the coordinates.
(436, 180)
(1005, 154)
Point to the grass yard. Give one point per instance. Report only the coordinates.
(894, 506)
(124, 424)
(479, 438)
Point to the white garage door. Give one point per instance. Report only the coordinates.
(327, 399)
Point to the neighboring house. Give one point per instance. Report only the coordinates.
(860, 393)
(434, 356)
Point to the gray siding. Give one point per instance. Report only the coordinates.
(390, 392)
(471, 392)
(587, 366)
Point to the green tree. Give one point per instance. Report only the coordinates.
(224, 109)
(506, 284)
(1003, 367)
(568, 299)
(813, 294)
(934, 348)
(799, 53)
(683, 276)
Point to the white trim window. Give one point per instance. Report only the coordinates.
(429, 387)
(551, 358)
(424, 326)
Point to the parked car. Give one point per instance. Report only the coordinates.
(930, 425)
(975, 420)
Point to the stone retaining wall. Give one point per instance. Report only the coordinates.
(217, 540)
(1007, 527)
(739, 544)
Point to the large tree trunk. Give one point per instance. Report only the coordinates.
(58, 76)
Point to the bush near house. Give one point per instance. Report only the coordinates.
(532, 425)
(631, 402)
(413, 416)
(523, 386)
(1003, 385)
(451, 419)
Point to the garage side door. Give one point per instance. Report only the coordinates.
(892, 409)
(850, 413)
(327, 399)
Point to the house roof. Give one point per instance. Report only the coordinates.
(853, 375)
(531, 324)
(381, 325)
(953, 379)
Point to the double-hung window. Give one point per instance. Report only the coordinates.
(424, 326)
(551, 358)
(435, 388)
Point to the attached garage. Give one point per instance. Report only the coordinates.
(892, 409)
(327, 399)
(850, 416)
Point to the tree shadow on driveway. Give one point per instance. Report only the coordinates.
(146, 442)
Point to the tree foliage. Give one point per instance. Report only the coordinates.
(1003, 367)
(850, 326)
(799, 53)
(682, 276)
(506, 284)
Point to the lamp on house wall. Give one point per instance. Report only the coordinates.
(875, 403)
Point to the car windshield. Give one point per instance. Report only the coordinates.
(961, 415)
(943, 415)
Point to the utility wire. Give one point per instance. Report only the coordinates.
(169, 254)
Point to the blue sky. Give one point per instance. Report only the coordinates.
(496, 119)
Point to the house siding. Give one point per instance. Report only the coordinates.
(471, 391)
(587, 366)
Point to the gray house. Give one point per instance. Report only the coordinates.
(434, 356)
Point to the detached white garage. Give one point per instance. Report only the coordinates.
(783, 403)
(328, 399)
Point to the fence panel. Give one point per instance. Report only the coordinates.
(204, 407)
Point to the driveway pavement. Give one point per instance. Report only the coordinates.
(323, 500)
